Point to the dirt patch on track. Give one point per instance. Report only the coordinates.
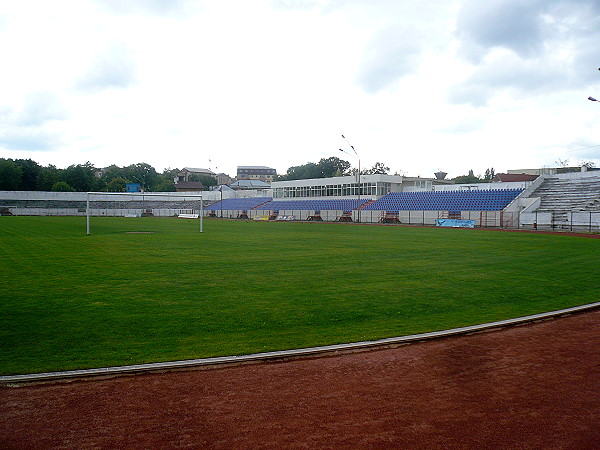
(533, 386)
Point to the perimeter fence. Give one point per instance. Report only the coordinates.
(576, 221)
(485, 219)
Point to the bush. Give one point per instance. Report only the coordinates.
(62, 186)
(116, 185)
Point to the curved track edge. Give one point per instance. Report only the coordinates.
(283, 354)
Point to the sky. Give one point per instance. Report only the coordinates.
(447, 85)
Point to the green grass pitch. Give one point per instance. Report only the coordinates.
(70, 301)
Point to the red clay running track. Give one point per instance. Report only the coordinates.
(532, 386)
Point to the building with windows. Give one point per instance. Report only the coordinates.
(260, 173)
(371, 186)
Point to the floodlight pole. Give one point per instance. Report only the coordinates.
(357, 157)
(220, 186)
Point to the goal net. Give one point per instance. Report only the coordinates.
(137, 207)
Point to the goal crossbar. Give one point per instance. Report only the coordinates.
(144, 196)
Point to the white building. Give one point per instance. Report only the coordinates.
(372, 186)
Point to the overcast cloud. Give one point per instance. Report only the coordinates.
(455, 85)
(113, 68)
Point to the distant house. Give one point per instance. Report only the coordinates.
(223, 178)
(187, 172)
(261, 173)
(183, 181)
(133, 187)
(189, 186)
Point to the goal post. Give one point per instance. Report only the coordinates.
(121, 204)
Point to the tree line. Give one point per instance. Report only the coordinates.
(472, 178)
(28, 175)
(328, 168)
(336, 167)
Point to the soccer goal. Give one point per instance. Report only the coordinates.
(143, 205)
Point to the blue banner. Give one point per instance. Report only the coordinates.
(455, 223)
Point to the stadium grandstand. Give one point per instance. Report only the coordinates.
(568, 201)
(442, 203)
(472, 200)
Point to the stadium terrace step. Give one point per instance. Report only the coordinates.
(558, 194)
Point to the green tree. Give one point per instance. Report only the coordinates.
(112, 172)
(47, 177)
(329, 167)
(116, 185)
(10, 175)
(325, 168)
(206, 180)
(62, 186)
(378, 168)
(141, 173)
(165, 185)
(31, 171)
(489, 175)
(303, 172)
(169, 173)
(470, 178)
(81, 177)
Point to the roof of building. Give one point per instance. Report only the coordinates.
(197, 170)
(255, 167)
(189, 185)
(250, 184)
(222, 187)
(508, 177)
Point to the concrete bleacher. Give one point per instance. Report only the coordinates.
(564, 201)
(474, 200)
(564, 194)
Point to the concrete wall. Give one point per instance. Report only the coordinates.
(38, 203)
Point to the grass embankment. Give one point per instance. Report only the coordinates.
(70, 301)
